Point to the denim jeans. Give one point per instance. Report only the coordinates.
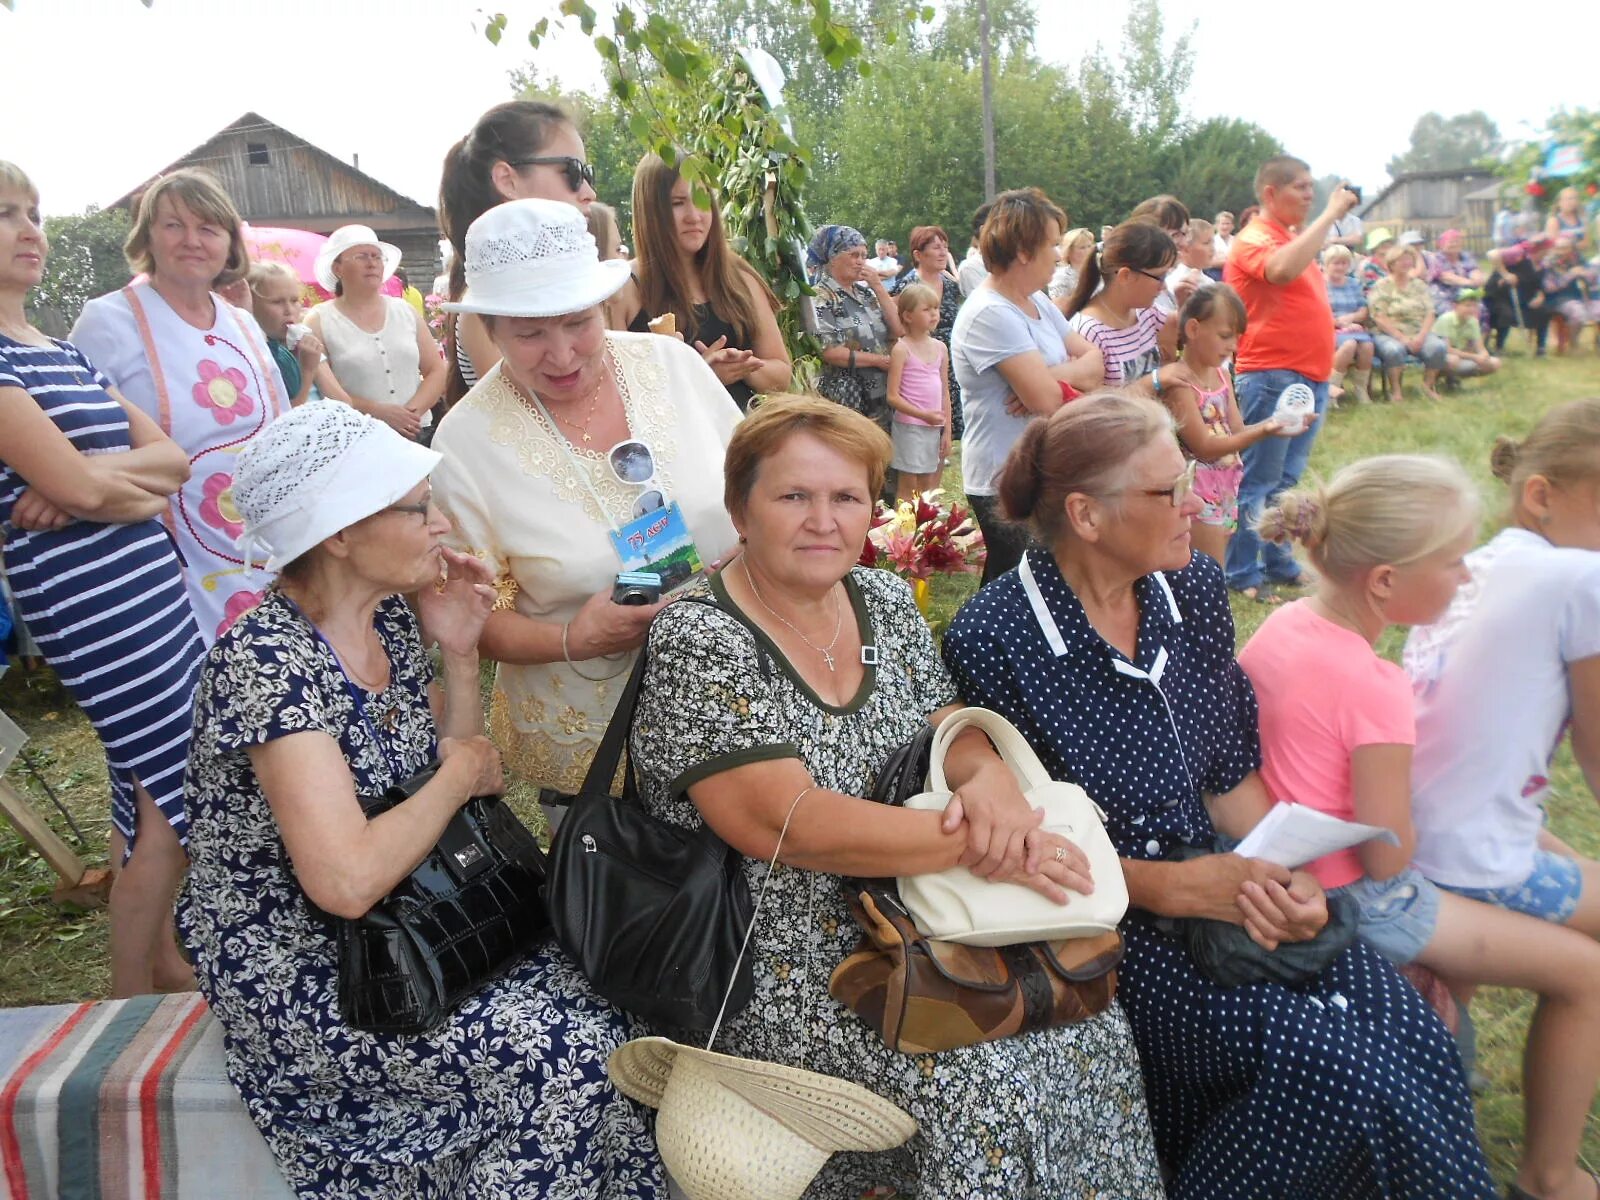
(1271, 466)
(1392, 352)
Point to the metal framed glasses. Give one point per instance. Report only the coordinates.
(421, 508)
(576, 170)
(1181, 489)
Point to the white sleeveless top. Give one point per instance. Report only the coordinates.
(382, 367)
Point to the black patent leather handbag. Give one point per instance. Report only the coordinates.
(654, 914)
(465, 915)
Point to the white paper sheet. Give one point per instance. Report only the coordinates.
(1292, 835)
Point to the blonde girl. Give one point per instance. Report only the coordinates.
(919, 394)
(1389, 538)
(1076, 247)
(1198, 391)
(275, 300)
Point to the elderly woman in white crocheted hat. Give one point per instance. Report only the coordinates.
(559, 470)
(321, 694)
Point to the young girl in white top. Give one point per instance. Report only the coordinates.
(1121, 317)
(1199, 393)
(1389, 537)
(919, 394)
(1511, 669)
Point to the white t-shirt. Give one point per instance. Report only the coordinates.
(990, 329)
(971, 272)
(1490, 678)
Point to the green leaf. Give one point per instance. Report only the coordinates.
(674, 63)
(495, 29)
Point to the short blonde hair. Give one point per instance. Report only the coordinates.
(1389, 510)
(199, 192)
(1337, 252)
(267, 271)
(1072, 237)
(773, 420)
(1397, 250)
(914, 296)
(1201, 230)
(14, 177)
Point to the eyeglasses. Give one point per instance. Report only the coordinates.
(1161, 279)
(576, 170)
(420, 508)
(1181, 489)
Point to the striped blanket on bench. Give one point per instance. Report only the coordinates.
(125, 1100)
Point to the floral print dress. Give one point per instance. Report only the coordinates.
(850, 316)
(211, 391)
(508, 1098)
(1050, 1115)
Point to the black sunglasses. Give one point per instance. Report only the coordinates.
(576, 170)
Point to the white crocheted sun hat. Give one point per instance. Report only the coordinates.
(739, 1129)
(317, 470)
(535, 258)
(347, 237)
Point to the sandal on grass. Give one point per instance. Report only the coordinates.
(1261, 593)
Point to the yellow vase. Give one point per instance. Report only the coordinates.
(922, 594)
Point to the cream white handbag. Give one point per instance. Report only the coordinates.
(957, 906)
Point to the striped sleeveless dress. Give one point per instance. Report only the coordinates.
(106, 603)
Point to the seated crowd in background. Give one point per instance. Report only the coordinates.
(323, 585)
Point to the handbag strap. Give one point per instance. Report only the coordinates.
(1008, 741)
(603, 768)
(755, 912)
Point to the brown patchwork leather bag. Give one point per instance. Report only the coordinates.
(923, 996)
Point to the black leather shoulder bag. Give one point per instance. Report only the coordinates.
(653, 913)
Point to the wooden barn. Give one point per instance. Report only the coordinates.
(1433, 201)
(278, 179)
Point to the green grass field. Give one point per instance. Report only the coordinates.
(52, 955)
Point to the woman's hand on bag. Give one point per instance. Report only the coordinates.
(454, 609)
(1274, 914)
(605, 627)
(998, 819)
(1214, 886)
(1061, 868)
(480, 757)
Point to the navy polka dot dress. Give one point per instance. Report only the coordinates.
(1348, 1088)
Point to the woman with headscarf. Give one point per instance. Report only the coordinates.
(855, 322)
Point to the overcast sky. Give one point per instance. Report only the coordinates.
(102, 93)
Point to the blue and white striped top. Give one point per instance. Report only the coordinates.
(73, 394)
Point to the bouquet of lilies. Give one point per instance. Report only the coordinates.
(922, 537)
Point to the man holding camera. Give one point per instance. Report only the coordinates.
(1348, 230)
(1289, 340)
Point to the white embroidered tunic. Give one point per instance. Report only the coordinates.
(509, 483)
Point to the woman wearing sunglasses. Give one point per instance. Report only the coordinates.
(517, 150)
(577, 449)
(686, 268)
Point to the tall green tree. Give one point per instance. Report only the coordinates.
(1213, 166)
(1440, 143)
(85, 261)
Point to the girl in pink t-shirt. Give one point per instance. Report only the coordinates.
(1388, 538)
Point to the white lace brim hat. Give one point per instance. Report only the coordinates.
(535, 258)
(317, 470)
(347, 237)
(740, 1129)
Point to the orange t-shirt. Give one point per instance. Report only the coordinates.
(1291, 324)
